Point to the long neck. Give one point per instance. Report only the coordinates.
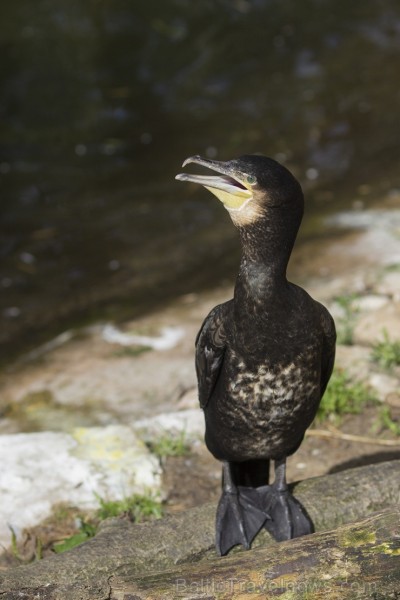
(266, 248)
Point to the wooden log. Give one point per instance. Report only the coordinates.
(84, 573)
(360, 560)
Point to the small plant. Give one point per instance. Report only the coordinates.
(86, 531)
(14, 545)
(38, 552)
(387, 352)
(394, 267)
(131, 351)
(344, 396)
(138, 507)
(387, 421)
(170, 446)
(346, 323)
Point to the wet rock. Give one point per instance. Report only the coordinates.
(40, 470)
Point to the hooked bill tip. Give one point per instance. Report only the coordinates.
(190, 159)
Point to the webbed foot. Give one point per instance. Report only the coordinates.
(239, 515)
(288, 517)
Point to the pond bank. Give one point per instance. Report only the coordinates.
(96, 377)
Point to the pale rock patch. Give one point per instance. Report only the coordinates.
(370, 327)
(40, 470)
(189, 422)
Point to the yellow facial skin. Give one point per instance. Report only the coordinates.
(233, 189)
(234, 201)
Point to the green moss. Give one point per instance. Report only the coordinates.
(391, 548)
(344, 396)
(39, 411)
(357, 538)
(388, 548)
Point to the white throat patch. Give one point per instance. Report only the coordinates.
(241, 207)
(248, 213)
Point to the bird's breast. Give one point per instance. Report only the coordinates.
(270, 393)
(264, 411)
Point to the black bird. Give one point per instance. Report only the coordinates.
(264, 358)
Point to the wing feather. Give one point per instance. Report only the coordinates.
(210, 351)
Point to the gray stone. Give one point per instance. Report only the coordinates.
(370, 327)
(40, 470)
(390, 284)
(385, 386)
(355, 360)
(370, 302)
(190, 422)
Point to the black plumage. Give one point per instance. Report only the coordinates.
(264, 358)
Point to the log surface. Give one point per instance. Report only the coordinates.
(356, 560)
(85, 572)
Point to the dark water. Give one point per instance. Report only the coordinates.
(100, 103)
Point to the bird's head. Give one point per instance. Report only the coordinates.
(251, 187)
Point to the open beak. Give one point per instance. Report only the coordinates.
(230, 186)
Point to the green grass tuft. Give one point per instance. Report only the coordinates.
(170, 446)
(131, 351)
(86, 531)
(387, 421)
(14, 545)
(138, 507)
(344, 397)
(345, 324)
(387, 352)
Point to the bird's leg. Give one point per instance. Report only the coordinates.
(288, 517)
(239, 516)
(280, 475)
(281, 526)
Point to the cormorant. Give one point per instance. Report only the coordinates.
(264, 358)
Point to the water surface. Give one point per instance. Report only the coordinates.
(101, 101)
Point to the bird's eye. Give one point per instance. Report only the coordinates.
(251, 179)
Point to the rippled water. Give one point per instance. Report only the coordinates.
(101, 101)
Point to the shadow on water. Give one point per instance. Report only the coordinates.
(102, 101)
